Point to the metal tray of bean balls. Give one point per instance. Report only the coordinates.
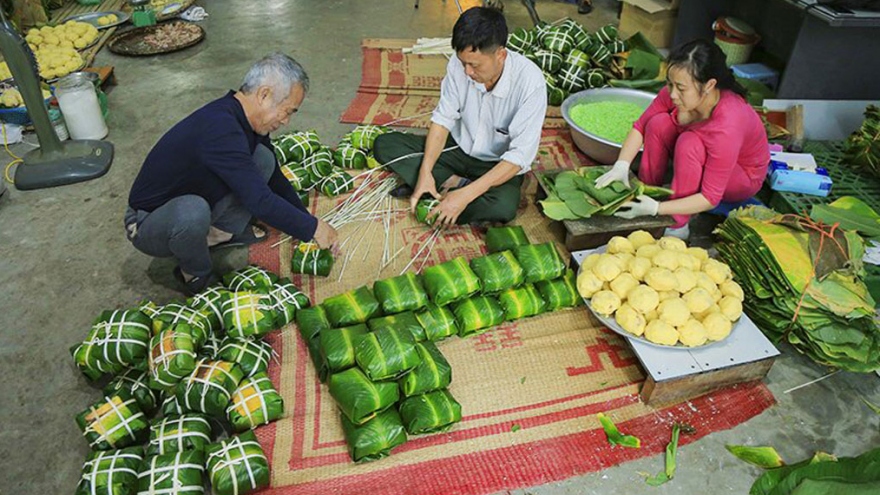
(137, 42)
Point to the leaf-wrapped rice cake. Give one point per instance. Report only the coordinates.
(87, 358)
(237, 465)
(179, 473)
(311, 321)
(521, 302)
(401, 293)
(209, 388)
(249, 314)
(438, 322)
(348, 156)
(498, 271)
(359, 398)
(210, 303)
(118, 339)
(172, 407)
(540, 262)
(423, 211)
(319, 164)
(172, 314)
(309, 259)
(336, 183)
(190, 431)
(113, 472)
(477, 314)
(287, 299)
(338, 345)
(450, 281)
(403, 322)
(251, 355)
(363, 136)
(211, 348)
(433, 373)
(172, 356)
(136, 384)
(114, 422)
(505, 238)
(374, 439)
(387, 353)
(299, 178)
(430, 413)
(296, 146)
(250, 278)
(255, 402)
(561, 292)
(352, 307)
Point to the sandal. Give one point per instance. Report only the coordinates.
(253, 234)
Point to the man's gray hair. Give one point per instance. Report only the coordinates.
(278, 71)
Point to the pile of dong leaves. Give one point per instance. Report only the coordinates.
(572, 195)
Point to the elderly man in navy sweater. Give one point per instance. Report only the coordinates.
(213, 173)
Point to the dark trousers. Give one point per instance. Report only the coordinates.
(179, 228)
(498, 204)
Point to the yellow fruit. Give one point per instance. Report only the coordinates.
(732, 289)
(731, 308)
(674, 311)
(660, 279)
(630, 320)
(672, 243)
(717, 326)
(640, 238)
(623, 284)
(660, 332)
(643, 298)
(638, 267)
(605, 302)
(698, 300)
(607, 268)
(666, 259)
(619, 244)
(692, 333)
(588, 284)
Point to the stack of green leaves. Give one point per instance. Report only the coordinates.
(863, 145)
(803, 284)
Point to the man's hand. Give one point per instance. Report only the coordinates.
(425, 185)
(450, 207)
(619, 172)
(642, 206)
(325, 235)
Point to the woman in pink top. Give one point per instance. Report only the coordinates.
(702, 121)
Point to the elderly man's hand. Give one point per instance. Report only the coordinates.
(451, 207)
(325, 235)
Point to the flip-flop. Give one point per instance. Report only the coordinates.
(246, 238)
(195, 285)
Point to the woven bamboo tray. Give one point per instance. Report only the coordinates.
(131, 42)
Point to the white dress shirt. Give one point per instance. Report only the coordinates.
(502, 124)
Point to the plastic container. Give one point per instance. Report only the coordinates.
(757, 72)
(736, 39)
(79, 103)
(58, 124)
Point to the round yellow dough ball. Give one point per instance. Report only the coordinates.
(717, 326)
(638, 267)
(660, 332)
(698, 300)
(590, 261)
(668, 294)
(588, 284)
(651, 316)
(605, 302)
(623, 284)
(732, 289)
(660, 279)
(639, 238)
(685, 280)
(624, 258)
(643, 298)
(731, 308)
(674, 311)
(619, 244)
(648, 251)
(666, 259)
(706, 282)
(698, 253)
(687, 261)
(630, 320)
(607, 268)
(714, 308)
(692, 333)
(716, 270)
(103, 20)
(672, 243)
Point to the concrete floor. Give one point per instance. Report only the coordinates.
(63, 257)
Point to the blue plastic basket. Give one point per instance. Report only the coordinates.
(18, 116)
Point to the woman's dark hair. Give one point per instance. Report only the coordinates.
(479, 28)
(704, 60)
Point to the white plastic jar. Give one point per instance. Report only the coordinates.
(79, 105)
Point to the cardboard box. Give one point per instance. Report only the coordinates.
(654, 18)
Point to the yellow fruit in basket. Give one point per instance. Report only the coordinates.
(605, 302)
(638, 267)
(624, 283)
(692, 333)
(607, 268)
(731, 308)
(660, 279)
(698, 300)
(685, 279)
(716, 270)
(660, 332)
(648, 251)
(666, 259)
(672, 243)
(588, 284)
(732, 289)
(619, 244)
(640, 238)
(717, 326)
(674, 311)
(643, 298)
(630, 320)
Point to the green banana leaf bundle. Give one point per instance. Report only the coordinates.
(521, 302)
(321, 369)
(352, 307)
(114, 422)
(180, 473)
(823, 474)
(298, 177)
(296, 146)
(349, 156)
(364, 136)
(548, 60)
(250, 278)
(136, 384)
(336, 183)
(863, 145)
(172, 407)
(824, 311)
(311, 321)
(572, 78)
(309, 259)
(172, 314)
(319, 164)
(559, 40)
(433, 373)
(211, 347)
(375, 438)
(402, 322)
(237, 465)
(338, 345)
(287, 299)
(849, 213)
(438, 322)
(249, 314)
(150, 309)
(210, 303)
(477, 314)
(255, 402)
(423, 211)
(433, 412)
(359, 398)
(498, 271)
(387, 353)
(209, 388)
(251, 355)
(189, 431)
(540, 262)
(521, 40)
(401, 293)
(117, 340)
(505, 238)
(561, 292)
(450, 281)
(172, 356)
(87, 358)
(112, 472)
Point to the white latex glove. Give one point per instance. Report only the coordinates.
(620, 171)
(641, 207)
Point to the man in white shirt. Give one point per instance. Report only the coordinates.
(484, 133)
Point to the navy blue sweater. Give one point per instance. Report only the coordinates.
(210, 154)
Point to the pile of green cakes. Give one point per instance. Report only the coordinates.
(355, 151)
(308, 164)
(181, 376)
(376, 347)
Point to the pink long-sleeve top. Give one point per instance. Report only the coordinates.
(733, 135)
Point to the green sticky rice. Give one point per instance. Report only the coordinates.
(609, 120)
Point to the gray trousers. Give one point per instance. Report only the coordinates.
(179, 228)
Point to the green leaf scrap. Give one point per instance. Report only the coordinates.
(669, 469)
(763, 457)
(515, 428)
(615, 437)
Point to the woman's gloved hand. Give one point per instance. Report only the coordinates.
(620, 171)
(640, 207)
